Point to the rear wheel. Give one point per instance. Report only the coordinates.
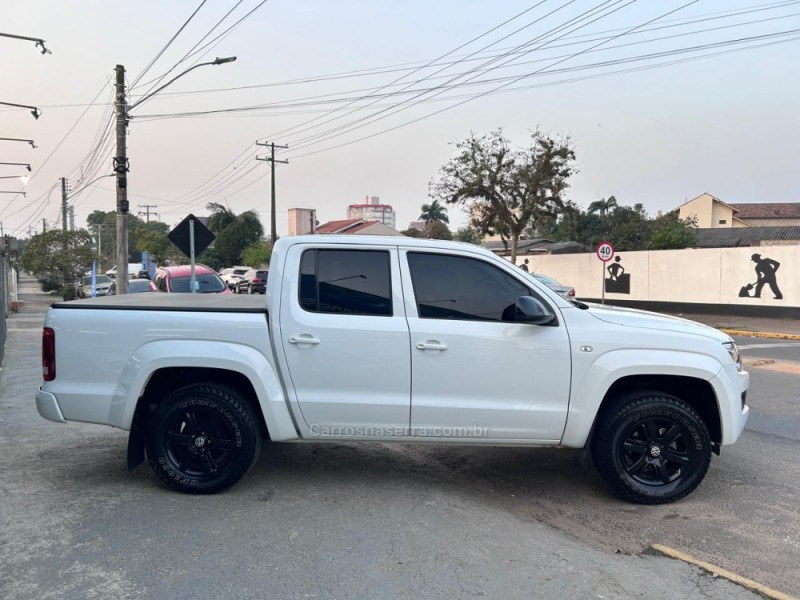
(651, 448)
(203, 439)
(249, 288)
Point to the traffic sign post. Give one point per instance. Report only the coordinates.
(605, 252)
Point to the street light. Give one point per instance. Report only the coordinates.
(216, 61)
(121, 161)
(34, 111)
(26, 165)
(31, 142)
(39, 41)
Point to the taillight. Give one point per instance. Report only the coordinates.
(48, 354)
(256, 280)
(571, 293)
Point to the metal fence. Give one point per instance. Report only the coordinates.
(4, 305)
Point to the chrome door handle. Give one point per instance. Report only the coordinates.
(304, 339)
(431, 345)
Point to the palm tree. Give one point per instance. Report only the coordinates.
(434, 212)
(603, 206)
(221, 217)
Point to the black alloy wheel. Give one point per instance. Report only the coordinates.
(651, 448)
(203, 439)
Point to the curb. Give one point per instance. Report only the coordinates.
(751, 585)
(761, 334)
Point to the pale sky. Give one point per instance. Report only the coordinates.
(728, 125)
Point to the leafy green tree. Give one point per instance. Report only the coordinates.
(257, 254)
(412, 233)
(246, 229)
(221, 216)
(669, 232)
(436, 230)
(509, 189)
(466, 234)
(58, 256)
(158, 246)
(434, 212)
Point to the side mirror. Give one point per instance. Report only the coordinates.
(530, 310)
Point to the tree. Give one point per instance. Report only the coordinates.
(244, 230)
(412, 233)
(434, 212)
(436, 230)
(59, 256)
(257, 254)
(670, 232)
(221, 216)
(467, 235)
(234, 234)
(603, 206)
(509, 189)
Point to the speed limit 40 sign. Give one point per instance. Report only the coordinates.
(605, 251)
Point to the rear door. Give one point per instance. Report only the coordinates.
(345, 341)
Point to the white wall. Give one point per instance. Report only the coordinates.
(704, 276)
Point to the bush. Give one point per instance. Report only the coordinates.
(68, 292)
(51, 285)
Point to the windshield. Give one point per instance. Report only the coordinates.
(205, 284)
(138, 285)
(546, 280)
(98, 280)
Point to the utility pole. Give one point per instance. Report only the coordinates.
(71, 218)
(146, 212)
(44, 225)
(121, 169)
(63, 204)
(273, 235)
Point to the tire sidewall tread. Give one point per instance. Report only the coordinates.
(228, 404)
(619, 415)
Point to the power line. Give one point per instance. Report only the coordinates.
(168, 44)
(326, 99)
(415, 66)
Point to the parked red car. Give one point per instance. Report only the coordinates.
(177, 280)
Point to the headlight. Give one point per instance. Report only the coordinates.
(734, 352)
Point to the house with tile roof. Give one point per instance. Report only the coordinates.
(769, 214)
(356, 227)
(710, 212)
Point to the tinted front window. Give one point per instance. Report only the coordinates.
(454, 287)
(356, 282)
(204, 284)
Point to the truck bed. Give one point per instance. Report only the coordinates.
(172, 302)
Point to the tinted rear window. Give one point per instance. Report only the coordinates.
(205, 284)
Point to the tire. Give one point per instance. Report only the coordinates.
(651, 448)
(203, 438)
(249, 289)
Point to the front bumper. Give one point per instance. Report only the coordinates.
(731, 386)
(47, 405)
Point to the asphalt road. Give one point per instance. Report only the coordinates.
(379, 521)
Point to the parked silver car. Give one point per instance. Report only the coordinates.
(561, 290)
(102, 283)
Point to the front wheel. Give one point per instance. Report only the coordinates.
(203, 439)
(249, 289)
(651, 448)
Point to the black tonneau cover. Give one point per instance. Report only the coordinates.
(172, 302)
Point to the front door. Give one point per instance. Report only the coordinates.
(478, 373)
(344, 337)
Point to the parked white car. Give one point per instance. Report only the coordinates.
(232, 275)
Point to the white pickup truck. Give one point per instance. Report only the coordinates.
(394, 340)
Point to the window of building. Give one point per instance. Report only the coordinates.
(455, 287)
(353, 282)
(723, 221)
